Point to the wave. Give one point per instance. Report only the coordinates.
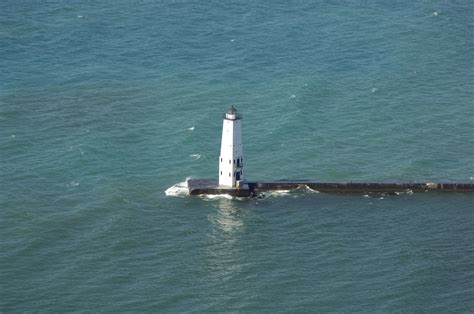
(276, 193)
(179, 189)
(216, 196)
(308, 189)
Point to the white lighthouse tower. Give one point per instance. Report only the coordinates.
(231, 158)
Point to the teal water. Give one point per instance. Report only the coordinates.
(104, 106)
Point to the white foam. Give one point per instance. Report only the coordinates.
(276, 193)
(216, 196)
(191, 128)
(195, 156)
(311, 190)
(179, 189)
(373, 90)
(292, 96)
(435, 13)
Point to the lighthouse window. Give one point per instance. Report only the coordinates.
(234, 161)
(221, 159)
(221, 172)
(230, 161)
(229, 174)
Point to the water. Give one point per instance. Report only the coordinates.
(104, 106)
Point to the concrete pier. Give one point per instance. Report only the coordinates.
(209, 186)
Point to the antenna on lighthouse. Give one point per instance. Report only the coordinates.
(231, 161)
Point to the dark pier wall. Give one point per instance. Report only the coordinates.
(209, 186)
(363, 186)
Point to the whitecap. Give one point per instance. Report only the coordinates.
(216, 196)
(195, 156)
(179, 189)
(310, 189)
(292, 96)
(80, 16)
(373, 90)
(276, 193)
(191, 128)
(435, 13)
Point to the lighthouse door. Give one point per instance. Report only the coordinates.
(237, 176)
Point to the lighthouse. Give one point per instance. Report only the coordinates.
(231, 180)
(231, 158)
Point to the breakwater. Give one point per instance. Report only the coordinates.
(250, 189)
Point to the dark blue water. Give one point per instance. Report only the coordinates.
(104, 106)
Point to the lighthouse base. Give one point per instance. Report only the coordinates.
(251, 189)
(211, 187)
